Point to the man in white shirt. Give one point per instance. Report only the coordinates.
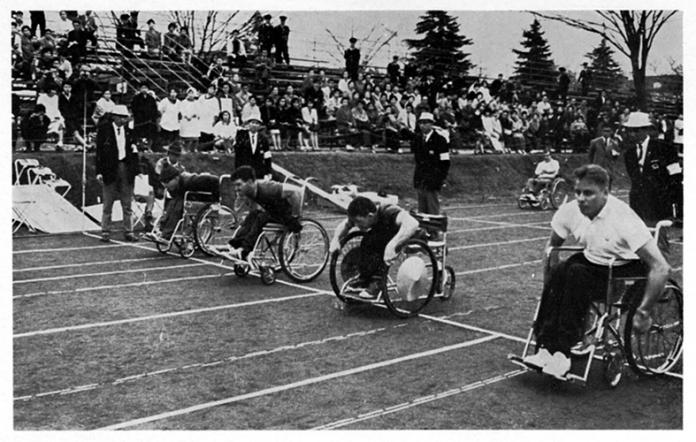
(546, 171)
(608, 229)
(170, 114)
(50, 102)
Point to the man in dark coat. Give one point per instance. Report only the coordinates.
(585, 80)
(116, 167)
(281, 33)
(266, 36)
(654, 169)
(145, 114)
(251, 149)
(394, 70)
(431, 151)
(352, 57)
(604, 150)
(563, 84)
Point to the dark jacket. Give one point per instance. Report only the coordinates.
(600, 152)
(432, 161)
(107, 152)
(259, 160)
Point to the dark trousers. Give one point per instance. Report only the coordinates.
(250, 229)
(281, 53)
(38, 21)
(372, 247)
(174, 208)
(566, 299)
(122, 189)
(428, 201)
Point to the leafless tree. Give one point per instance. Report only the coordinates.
(631, 32)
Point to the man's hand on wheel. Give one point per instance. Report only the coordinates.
(641, 321)
(389, 254)
(335, 246)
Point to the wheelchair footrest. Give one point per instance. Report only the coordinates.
(569, 377)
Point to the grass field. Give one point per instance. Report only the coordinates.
(120, 336)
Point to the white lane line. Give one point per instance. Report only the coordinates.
(89, 387)
(476, 206)
(500, 267)
(478, 229)
(419, 401)
(219, 265)
(498, 215)
(294, 385)
(472, 328)
(113, 272)
(68, 249)
(501, 223)
(163, 315)
(82, 264)
(118, 286)
(498, 243)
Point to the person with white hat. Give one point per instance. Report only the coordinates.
(116, 167)
(251, 148)
(431, 152)
(386, 227)
(654, 169)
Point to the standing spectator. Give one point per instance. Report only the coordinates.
(89, 24)
(585, 80)
(28, 45)
(227, 100)
(432, 158)
(251, 110)
(236, 52)
(64, 24)
(311, 120)
(216, 72)
(281, 34)
(185, 45)
(315, 95)
(603, 151)
(71, 113)
(209, 111)
(563, 82)
(35, 128)
(153, 40)
(224, 133)
(83, 89)
(251, 149)
(189, 129)
(407, 123)
(77, 43)
(266, 36)
(170, 115)
(654, 170)
(116, 167)
(170, 46)
(496, 86)
(38, 20)
(394, 70)
(352, 57)
(103, 106)
(127, 35)
(144, 108)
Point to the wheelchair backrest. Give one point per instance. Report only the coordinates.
(227, 192)
(431, 223)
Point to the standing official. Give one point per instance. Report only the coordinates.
(653, 166)
(431, 151)
(266, 36)
(281, 33)
(116, 166)
(251, 149)
(604, 150)
(352, 57)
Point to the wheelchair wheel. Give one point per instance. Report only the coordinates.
(545, 200)
(560, 192)
(215, 225)
(344, 263)
(303, 255)
(659, 349)
(448, 284)
(241, 270)
(405, 305)
(163, 247)
(187, 248)
(268, 275)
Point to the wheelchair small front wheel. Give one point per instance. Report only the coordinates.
(448, 284)
(187, 248)
(268, 275)
(659, 349)
(163, 247)
(613, 366)
(241, 270)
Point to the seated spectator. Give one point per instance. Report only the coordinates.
(518, 129)
(345, 123)
(311, 124)
(251, 109)
(28, 46)
(153, 40)
(44, 63)
(216, 72)
(284, 121)
(236, 52)
(103, 106)
(170, 116)
(579, 135)
(343, 83)
(270, 118)
(67, 104)
(296, 126)
(77, 42)
(392, 128)
(225, 132)
(127, 35)
(273, 201)
(333, 103)
(185, 45)
(315, 95)
(407, 123)
(492, 130)
(64, 24)
(56, 124)
(35, 128)
(64, 66)
(226, 99)
(362, 124)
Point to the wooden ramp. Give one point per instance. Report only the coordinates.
(341, 203)
(39, 207)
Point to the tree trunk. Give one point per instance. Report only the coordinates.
(639, 84)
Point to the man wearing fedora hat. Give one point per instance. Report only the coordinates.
(352, 57)
(116, 167)
(431, 152)
(251, 149)
(654, 169)
(266, 36)
(281, 33)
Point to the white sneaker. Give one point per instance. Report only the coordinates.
(541, 359)
(558, 366)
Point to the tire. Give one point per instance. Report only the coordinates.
(268, 275)
(214, 227)
(304, 255)
(343, 264)
(163, 247)
(241, 270)
(666, 335)
(187, 248)
(560, 192)
(399, 303)
(449, 284)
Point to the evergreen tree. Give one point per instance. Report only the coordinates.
(534, 66)
(606, 72)
(440, 50)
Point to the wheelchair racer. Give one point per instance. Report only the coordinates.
(608, 229)
(544, 174)
(387, 227)
(177, 183)
(272, 202)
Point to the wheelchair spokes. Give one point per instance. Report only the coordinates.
(303, 255)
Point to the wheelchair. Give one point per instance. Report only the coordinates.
(551, 196)
(429, 244)
(609, 334)
(184, 235)
(302, 255)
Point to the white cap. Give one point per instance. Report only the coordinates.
(638, 119)
(120, 110)
(426, 116)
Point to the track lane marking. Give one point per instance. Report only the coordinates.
(81, 264)
(498, 243)
(294, 385)
(69, 249)
(113, 272)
